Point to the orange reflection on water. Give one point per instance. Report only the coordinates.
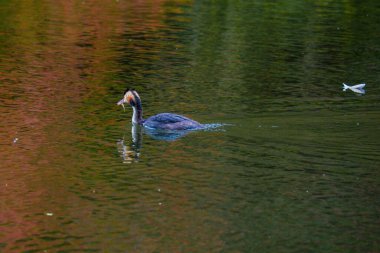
(56, 49)
(60, 54)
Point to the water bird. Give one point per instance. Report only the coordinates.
(161, 121)
(358, 88)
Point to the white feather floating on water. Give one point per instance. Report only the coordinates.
(358, 88)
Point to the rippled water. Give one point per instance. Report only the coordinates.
(294, 166)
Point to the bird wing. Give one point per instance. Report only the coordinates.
(168, 118)
(358, 86)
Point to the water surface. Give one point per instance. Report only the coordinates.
(294, 168)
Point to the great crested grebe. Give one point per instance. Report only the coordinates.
(162, 121)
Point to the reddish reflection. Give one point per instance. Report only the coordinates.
(60, 53)
(57, 49)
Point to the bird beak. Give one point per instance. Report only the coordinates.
(121, 102)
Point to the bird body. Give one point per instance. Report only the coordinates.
(358, 88)
(171, 121)
(162, 121)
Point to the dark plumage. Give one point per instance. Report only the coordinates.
(171, 121)
(162, 121)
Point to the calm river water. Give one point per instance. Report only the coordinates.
(294, 168)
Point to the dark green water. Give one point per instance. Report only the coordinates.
(295, 168)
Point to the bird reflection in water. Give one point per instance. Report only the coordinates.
(131, 153)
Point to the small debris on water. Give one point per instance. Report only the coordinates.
(159, 190)
(159, 203)
(15, 140)
(49, 214)
(357, 123)
(357, 88)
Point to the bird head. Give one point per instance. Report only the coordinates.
(132, 98)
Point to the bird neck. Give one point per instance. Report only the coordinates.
(137, 115)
